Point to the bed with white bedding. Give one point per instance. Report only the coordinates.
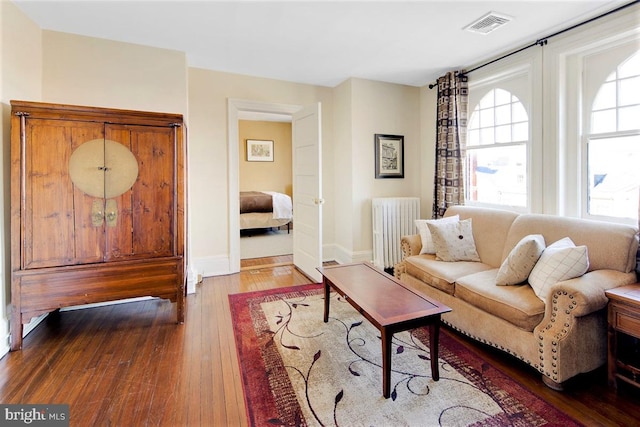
(265, 209)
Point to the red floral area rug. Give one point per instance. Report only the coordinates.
(299, 371)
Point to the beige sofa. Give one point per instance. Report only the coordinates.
(561, 337)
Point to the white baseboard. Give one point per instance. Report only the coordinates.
(212, 266)
(344, 256)
(5, 345)
(192, 279)
(328, 253)
(4, 327)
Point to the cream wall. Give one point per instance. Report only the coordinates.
(103, 73)
(342, 159)
(384, 108)
(20, 78)
(427, 151)
(266, 176)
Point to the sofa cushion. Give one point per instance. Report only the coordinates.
(440, 274)
(425, 234)
(517, 305)
(560, 261)
(490, 230)
(453, 241)
(516, 267)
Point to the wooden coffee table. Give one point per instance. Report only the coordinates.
(388, 304)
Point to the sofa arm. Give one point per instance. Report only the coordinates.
(399, 269)
(572, 335)
(411, 245)
(585, 294)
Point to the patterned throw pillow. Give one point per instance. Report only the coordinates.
(516, 267)
(453, 241)
(562, 260)
(425, 234)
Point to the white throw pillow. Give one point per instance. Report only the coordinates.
(425, 234)
(523, 257)
(453, 241)
(562, 260)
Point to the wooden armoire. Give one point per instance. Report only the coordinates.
(97, 208)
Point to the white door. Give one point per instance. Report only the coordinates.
(307, 191)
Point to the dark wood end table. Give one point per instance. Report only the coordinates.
(624, 335)
(388, 304)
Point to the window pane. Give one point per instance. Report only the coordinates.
(474, 123)
(497, 175)
(629, 118)
(473, 137)
(486, 118)
(487, 100)
(503, 133)
(486, 136)
(520, 132)
(629, 91)
(502, 97)
(603, 121)
(606, 97)
(519, 113)
(614, 176)
(503, 114)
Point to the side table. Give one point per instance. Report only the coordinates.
(624, 335)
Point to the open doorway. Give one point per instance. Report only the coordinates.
(266, 185)
(239, 109)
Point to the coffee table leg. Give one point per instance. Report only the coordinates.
(387, 337)
(434, 333)
(326, 299)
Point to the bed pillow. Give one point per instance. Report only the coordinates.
(516, 267)
(425, 234)
(453, 241)
(562, 260)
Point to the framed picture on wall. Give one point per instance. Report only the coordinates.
(259, 150)
(389, 151)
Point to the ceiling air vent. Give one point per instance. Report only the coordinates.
(488, 23)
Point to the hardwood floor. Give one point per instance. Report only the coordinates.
(130, 364)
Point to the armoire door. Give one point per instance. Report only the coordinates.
(59, 219)
(140, 222)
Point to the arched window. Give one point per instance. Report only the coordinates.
(496, 157)
(613, 144)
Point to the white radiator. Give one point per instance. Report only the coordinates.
(393, 217)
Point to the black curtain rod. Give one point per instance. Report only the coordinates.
(543, 41)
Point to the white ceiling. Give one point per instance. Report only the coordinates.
(318, 42)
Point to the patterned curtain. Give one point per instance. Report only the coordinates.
(453, 97)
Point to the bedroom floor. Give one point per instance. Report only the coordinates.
(264, 243)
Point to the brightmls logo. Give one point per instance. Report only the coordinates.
(34, 415)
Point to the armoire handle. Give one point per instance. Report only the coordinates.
(97, 214)
(112, 212)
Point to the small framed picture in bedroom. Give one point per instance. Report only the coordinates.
(259, 150)
(389, 151)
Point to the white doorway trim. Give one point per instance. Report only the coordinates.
(235, 108)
